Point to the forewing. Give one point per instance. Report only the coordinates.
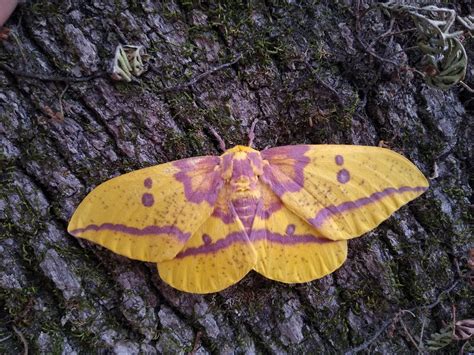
(149, 214)
(288, 248)
(218, 254)
(343, 191)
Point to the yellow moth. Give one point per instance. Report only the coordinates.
(285, 212)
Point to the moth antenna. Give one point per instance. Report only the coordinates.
(219, 139)
(252, 132)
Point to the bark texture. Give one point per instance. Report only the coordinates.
(308, 79)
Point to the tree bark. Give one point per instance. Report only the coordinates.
(306, 74)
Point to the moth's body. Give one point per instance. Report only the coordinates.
(284, 212)
(241, 168)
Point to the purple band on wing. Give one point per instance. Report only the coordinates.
(295, 152)
(215, 247)
(286, 170)
(257, 235)
(278, 182)
(209, 182)
(291, 160)
(291, 239)
(331, 210)
(149, 230)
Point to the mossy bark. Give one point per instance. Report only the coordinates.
(307, 78)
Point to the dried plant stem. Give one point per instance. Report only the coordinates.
(197, 343)
(392, 320)
(198, 78)
(65, 79)
(23, 340)
(410, 337)
(467, 87)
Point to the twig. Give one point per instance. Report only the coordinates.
(369, 342)
(198, 78)
(61, 100)
(387, 323)
(333, 91)
(197, 343)
(385, 34)
(461, 351)
(23, 340)
(423, 324)
(65, 79)
(17, 40)
(322, 83)
(453, 312)
(400, 319)
(438, 299)
(365, 46)
(6, 338)
(404, 50)
(388, 33)
(467, 87)
(367, 49)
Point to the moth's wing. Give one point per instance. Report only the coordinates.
(149, 214)
(343, 191)
(288, 248)
(217, 256)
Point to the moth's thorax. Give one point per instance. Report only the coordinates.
(241, 166)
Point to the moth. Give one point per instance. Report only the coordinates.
(285, 212)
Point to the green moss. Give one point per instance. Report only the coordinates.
(86, 338)
(455, 192)
(18, 302)
(430, 215)
(45, 9)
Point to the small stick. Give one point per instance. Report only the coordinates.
(387, 323)
(6, 338)
(392, 22)
(364, 45)
(390, 33)
(197, 343)
(420, 343)
(467, 87)
(61, 101)
(400, 319)
(453, 312)
(199, 77)
(65, 79)
(23, 340)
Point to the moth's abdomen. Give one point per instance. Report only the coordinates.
(246, 209)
